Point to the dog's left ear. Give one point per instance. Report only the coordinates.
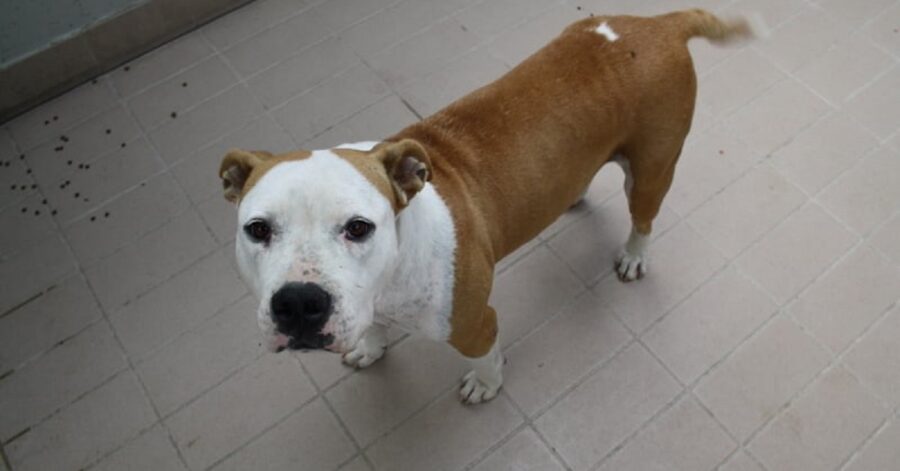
(236, 168)
(408, 167)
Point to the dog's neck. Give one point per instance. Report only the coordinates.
(419, 295)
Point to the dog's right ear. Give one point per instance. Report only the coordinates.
(235, 170)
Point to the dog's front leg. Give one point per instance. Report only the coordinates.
(369, 348)
(482, 383)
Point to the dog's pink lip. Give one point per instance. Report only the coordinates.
(278, 342)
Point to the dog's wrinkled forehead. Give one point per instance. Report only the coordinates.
(323, 181)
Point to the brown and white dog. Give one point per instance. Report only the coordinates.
(339, 243)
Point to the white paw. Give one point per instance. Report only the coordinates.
(363, 355)
(631, 267)
(474, 391)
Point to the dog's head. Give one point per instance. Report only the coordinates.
(316, 237)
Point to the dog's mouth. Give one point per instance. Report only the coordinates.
(304, 342)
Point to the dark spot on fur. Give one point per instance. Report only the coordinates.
(633, 54)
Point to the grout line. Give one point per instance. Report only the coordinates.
(5, 459)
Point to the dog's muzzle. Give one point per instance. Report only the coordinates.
(300, 311)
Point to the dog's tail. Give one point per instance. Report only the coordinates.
(701, 23)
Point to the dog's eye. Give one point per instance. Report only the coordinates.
(358, 230)
(258, 231)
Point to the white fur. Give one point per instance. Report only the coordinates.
(403, 274)
(631, 263)
(369, 348)
(482, 383)
(607, 32)
(308, 202)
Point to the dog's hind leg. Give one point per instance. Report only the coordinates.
(648, 175)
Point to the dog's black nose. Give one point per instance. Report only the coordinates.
(300, 306)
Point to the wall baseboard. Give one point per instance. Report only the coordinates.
(101, 48)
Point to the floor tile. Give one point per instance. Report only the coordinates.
(430, 93)
(880, 453)
(197, 360)
(845, 68)
(169, 59)
(485, 19)
(887, 239)
(708, 325)
(397, 23)
(515, 44)
(197, 174)
(257, 397)
(872, 106)
(524, 296)
(796, 108)
(856, 13)
(303, 71)
(51, 119)
(309, 439)
(523, 452)
(612, 404)
(757, 380)
(32, 270)
(330, 103)
(446, 435)
(220, 217)
(590, 243)
(87, 188)
(150, 260)
(875, 358)
(866, 196)
(32, 221)
(883, 29)
(269, 47)
(151, 451)
(555, 356)
(424, 53)
(740, 461)
(339, 14)
(180, 137)
(784, 261)
(124, 219)
(96, 424)
(82, 144)
(680, 262)
(774, 12)
(803, 38)
(383, 119)
(822, 427)
(374, 400)
(862, 283)
(42, 323)
(251, 19)
(736, 81)
(179, 304)
(709, 163)
(357, 464)
(684, 437)
(75, 367)
(746, 210)
(163, 102)
(820, 153)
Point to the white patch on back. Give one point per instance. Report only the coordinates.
(607, 32)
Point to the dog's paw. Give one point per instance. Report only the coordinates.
(474, 391)
(363, 355)
(631, 267)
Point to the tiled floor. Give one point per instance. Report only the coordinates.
(767, 336)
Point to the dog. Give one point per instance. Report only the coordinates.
(338, 244)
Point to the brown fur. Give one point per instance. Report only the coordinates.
(510, 157)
